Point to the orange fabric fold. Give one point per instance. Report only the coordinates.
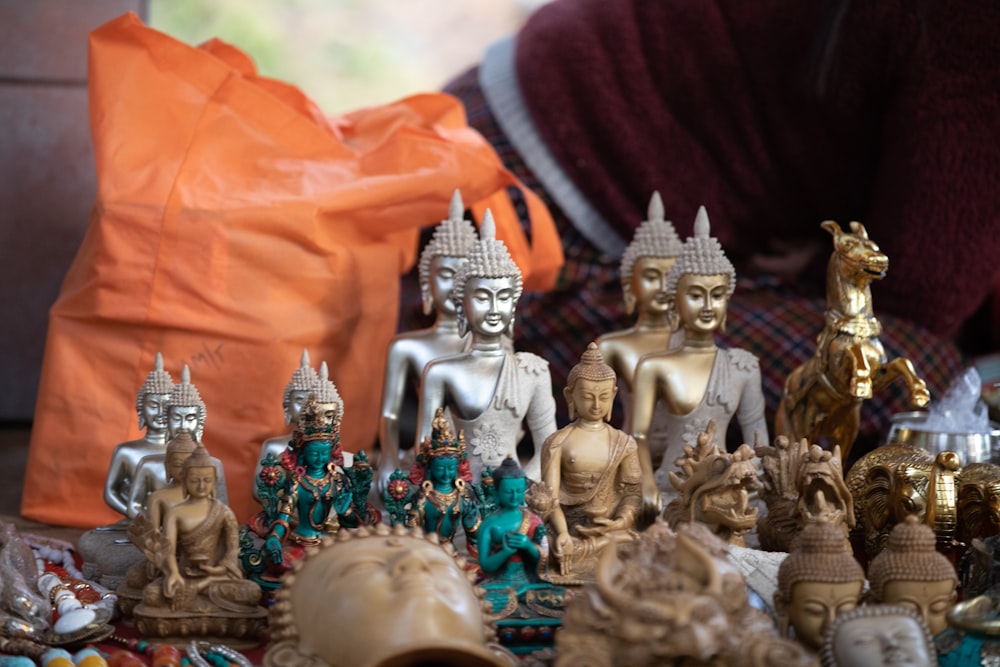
(234, 226)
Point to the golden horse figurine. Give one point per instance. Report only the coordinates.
(822, 397)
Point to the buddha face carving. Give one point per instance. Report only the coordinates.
(511, 492)
(441, 281)
(814, 605)
(591, 400)
(199, 481)
(153, 414)
(174, 464)
(702, 301)
(930, 599)
(411, 591)
(883, 640)
(649, 283)
(443, 471)
(182, 417)
(316, 454)
(296, 403)
(489, 304)
(327, 414)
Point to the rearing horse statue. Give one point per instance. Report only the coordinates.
(822, 397)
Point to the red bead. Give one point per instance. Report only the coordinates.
(124, 659)
(166, 655)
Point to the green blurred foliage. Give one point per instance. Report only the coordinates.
(342, 53)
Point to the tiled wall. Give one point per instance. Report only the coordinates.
(47, 181)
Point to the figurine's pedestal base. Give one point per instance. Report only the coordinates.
(107, 555)
(247, 627)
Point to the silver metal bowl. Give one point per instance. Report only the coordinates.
(971, 447)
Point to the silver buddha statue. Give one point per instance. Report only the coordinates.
(184, 411)
(151, 408)
(489, 391)
(409, 352)
(294, 400)
(645, 264)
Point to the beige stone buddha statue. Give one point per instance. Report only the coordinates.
(201, 590)
(817, 581)
(151, 408)
(144, 530)
(409, 352)
(697, 382)
(910, 572)
(489, 391)
(380, 597)
(645, 264)
(591, 474)
(879, 635)
(293, 401)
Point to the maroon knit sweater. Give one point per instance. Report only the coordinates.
(711, 102)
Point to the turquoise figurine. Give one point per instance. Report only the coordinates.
(513, 554)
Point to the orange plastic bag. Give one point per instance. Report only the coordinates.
(236, 225)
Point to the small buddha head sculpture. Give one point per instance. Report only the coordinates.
(817, 581)
(151, 400)
(701, 281)
(442, 257)
(647, 260)
(297, 390)
(880, 635)
(329, 404)
(198, 474)
(487, 286)
(393, 596)
(442, 458)
(179, 450)
(510, 483)
(591, 387)
(911, 572)
(185, 409)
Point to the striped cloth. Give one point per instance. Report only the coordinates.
(776, 322)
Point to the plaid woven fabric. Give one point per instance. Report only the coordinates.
(773, 321)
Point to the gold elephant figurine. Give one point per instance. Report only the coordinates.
(895, 481)
(979, 502)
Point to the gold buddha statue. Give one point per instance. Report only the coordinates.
(697, 382)
(489, 391)
(911, 572)
(201, 590)
(379, 597)
(293, 401)
(645, 264)
(151, 408)
(817, 581)
(409, 352)
(590, 472)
